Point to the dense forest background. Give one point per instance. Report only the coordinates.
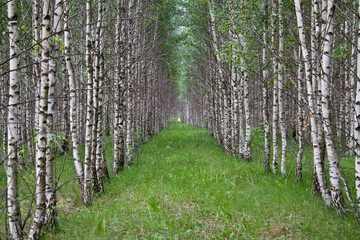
(78, 78)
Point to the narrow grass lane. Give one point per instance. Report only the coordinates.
(184, 186)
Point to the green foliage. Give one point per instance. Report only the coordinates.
(56, 40)
(184, 50)
(341, 52)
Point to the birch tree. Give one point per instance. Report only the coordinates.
(50, 193)
(281, 89)
(13, 206)
(265, 75)
(336, 193)
(357, 120)
(275, 88)
(247, 142)
(119, 125)
(234, 81)
(41, 145)
(129, 87)
(319, 172)
(300, 118)
(72, 89)
(89, 106)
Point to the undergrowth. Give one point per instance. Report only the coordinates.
(183, 185)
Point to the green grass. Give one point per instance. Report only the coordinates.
(184, 186)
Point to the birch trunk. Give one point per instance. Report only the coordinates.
(36, 66)
(234, 84)
(357, 120)
(119, 91)
(29, 131)
(129, 85)
(336, 193)
(222, 86)
(96, 91)
(72, 89)
(353, 73)
(300, 119)
(41, 145)
(241, 144)
(245, 80)
(50, 193)
(116, 164)
(265, 74)
(11, 166)
(281, 91)
(100, 168)
(319, 172)
(275, 89)
(316, 90)
(89, 106)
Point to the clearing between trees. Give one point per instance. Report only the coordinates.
(183, 185)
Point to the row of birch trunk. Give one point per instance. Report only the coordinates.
(72, 74)
(291, 70)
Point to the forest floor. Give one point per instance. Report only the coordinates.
(183, 185)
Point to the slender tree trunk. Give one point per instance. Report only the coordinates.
(275, 89)
(96, 113)
(99, 147)
(357, 120)
(222, 81)
(300, 119)
(119, 93)
(336, 193)
(30, 132)
(245, 76)
(50, 192)
(281, 71)
(353, 73)
(319, 171)
(36, 66)
(72, 89)
(265, 74)
(234, 83)
(89, 106)
(13, 206)
(129, 85)
(41, 145)
(241, 146)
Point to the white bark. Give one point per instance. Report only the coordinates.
(265, 74)
(353, 73)
(129, 86)
(100, 65)
(119, 94)
(336, 193)
(245, 81)
(96, 91)
(72, 89)
(311, 99)
(357, 121)
(234, 83)
(300, 118)
(49, 187)
(222, 95)
(281, 90)
(11, 167)
(36, 66)
(275, 89)
(41, 145)
(89, 106)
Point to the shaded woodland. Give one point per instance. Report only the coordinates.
(80, 77)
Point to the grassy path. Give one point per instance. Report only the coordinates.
(184, 186)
